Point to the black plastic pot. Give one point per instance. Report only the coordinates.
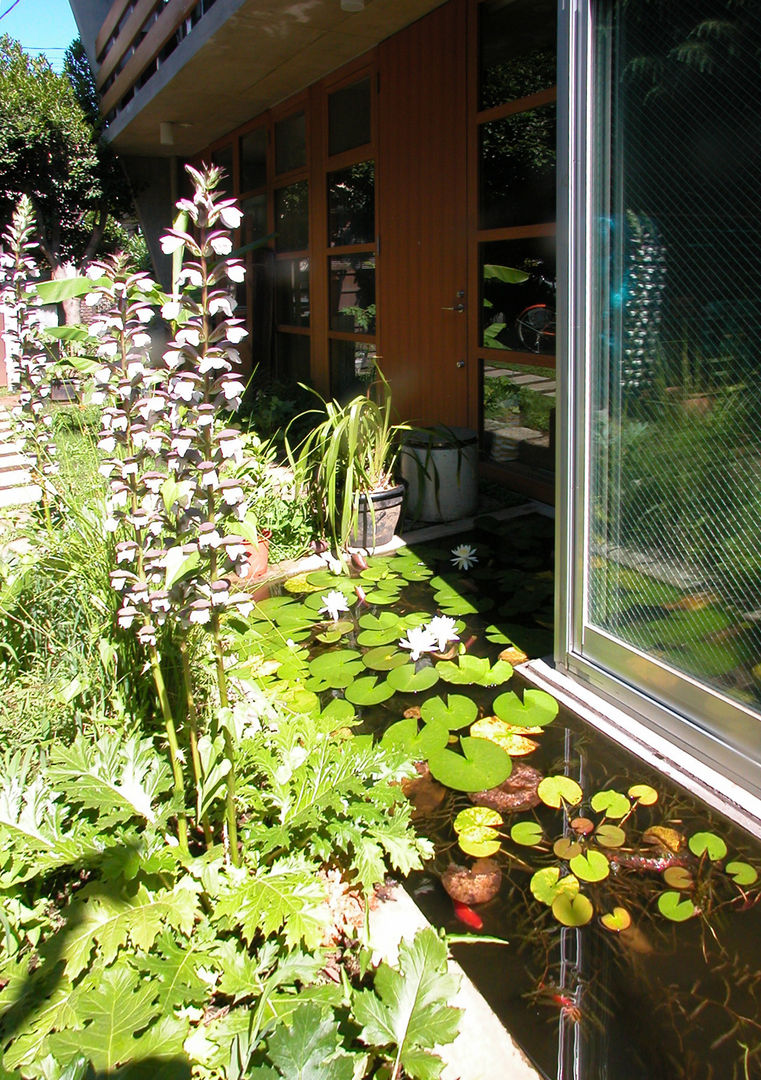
(378, 517)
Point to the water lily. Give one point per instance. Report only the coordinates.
(443, 629)
(419, 640)
(464, 556)
(334, 603)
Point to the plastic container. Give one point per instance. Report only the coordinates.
(440, 468)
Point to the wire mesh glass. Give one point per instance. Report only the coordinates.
(675, 509)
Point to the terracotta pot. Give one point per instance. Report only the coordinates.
(258, 558)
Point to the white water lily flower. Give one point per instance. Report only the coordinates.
(443, 629)
(419, 640)
(464, 556)
(334, 603)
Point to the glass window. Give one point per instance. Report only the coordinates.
(518, 301)
(352, 294)
(351, 205)
(292, 292)
(292, 357)
(253, 160)
(290, 143)
(517, 169)
(254, 217)
(349, 117)
(352, 368)
(675, 473)
(292, 217)
(516, 49)
(224, 158)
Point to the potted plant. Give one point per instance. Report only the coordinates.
(346, 465)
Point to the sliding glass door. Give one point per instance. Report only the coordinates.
(663, 338)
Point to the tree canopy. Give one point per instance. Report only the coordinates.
(51, 150)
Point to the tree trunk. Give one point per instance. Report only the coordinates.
(71, 308)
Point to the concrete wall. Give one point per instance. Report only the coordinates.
(154, 187)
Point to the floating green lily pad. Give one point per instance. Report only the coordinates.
(554, 790)
(380, 629)
(378, 572)
(336, 632)
(496, 636)
(340, 710)
(678, 877)
(547, 884)
(643, 793)
(383, 597)
(419, 745)
(474, 671)
(538, 709)
(565, 847)
(481, 766)
(337, 668)
(384, 658)
(616, 920)
(742, 873)
(456, 712)
(672, 906)
(610, 836)
(406, 680)
(611, 803)
(479, 842)
(300, 700)
(590, 866)
(573, 910)
(325, 579)
(708, 843)
(368, 691)
(481, 816)
(526, 833)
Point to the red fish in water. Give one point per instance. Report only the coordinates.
(467, 915)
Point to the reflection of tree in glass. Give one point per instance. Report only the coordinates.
(292, 217)
(518, 168)
(351, 205)
(517, 78)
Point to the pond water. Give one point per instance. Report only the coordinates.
(629, 909)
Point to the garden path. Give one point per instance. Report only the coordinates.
(16, 486)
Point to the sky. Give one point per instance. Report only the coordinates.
(41, 26)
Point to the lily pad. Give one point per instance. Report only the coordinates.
(336, 669)
(616, 920)
(300, 700)
(340, 710)
(538, 709)
(643, 793)
(380, 629)
(590, 866)
(481, 765)
(368, 691)
(325, 579)
(406, 680)
(555, 790)
(477, 816)
(500, 733)
(612, 803)
(384, 658)
(547, 884)
(496, 636)
(709, 844)
(476, 833)
(419, 745)
(457, 711)
(573, 910)
(678, 877)
(526, 833)
(610, 836)
(474, 671)
(664, 837)
(383, 597)
(672, 906)
(336, 632)
(566, 848)
(742, 873)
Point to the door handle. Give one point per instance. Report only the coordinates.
(457, 307)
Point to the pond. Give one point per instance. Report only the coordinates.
(627, 911)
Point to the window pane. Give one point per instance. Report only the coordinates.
(351, 205)
(352, 294)
(292, 357)
(253, 160)
(290, 143)
(352, 368)
(516, 49)
(292, 292)
(517, 169)
(292, 217)
(518, 311)
(675, 569)
(349, 117)
(255, 217)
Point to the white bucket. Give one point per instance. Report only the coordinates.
(440, 468)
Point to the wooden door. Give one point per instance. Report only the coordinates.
(422, 218)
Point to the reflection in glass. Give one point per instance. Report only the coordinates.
(517, 49)
(292, 217)
(517, 169)
(253, 160)
(518, 300)
(290, 143)
(351, 205)
(352, 368)
(352, 294)
(292, 357)
(292, 292)
(349, 117)
(254, 217)
(675, 568)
